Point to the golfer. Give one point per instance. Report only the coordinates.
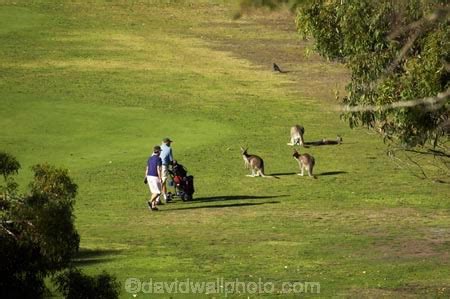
(153, 177)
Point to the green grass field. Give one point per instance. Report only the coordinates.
(92, 86)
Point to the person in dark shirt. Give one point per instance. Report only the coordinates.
(153, 177)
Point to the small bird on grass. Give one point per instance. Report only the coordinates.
(276, 68)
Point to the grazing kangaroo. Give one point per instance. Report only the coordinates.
(254, 163)
(305, 161)
(325, 141)
(297, 132)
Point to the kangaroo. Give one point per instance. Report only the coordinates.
(328, 142)
(305, 161)
(297, 132)
(254, 163)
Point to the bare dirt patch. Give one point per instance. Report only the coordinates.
(311, 75)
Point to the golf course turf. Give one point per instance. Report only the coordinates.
(92, 86)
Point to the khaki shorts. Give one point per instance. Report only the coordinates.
(154, 184)
(164, 173)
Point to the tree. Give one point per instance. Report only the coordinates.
(9, 166)
(398, 53)
(37, 233)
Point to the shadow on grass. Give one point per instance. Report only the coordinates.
(86, 257)
(320, 143)
(232, 197)
(283, 173)
(234, 205)
(331, 173)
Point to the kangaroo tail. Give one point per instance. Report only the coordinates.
(261, 173)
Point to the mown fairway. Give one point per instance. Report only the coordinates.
(93, 86)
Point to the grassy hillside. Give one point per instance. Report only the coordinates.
(93, 86)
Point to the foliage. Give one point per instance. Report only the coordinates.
(73, 284)
(22, 268)
(48, 210)
(363, 35)
(8, 167)
(38, 236)
(53, 183)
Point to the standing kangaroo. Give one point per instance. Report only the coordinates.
(305, 161)
(297, 132)
(254, 163)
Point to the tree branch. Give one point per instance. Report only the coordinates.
(8, 232)
(438, 14)
(431, 103)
